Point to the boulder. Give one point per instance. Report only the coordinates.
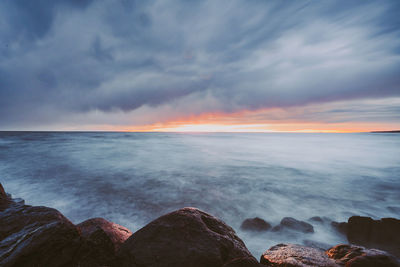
(186, 237)
(316, 219)
(3, 194)
(356, 256)
(115, 232)
(36, 236)
(255, 224)
(293, 224)
(291, 255)
(382, 234)
(101, 241)
(41, 236)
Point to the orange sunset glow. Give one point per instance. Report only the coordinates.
(297, 119)
(258, 128)
(245, 122)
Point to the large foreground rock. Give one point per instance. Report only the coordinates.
(382, 234)
(356, 256)
(41, 236)
(186, 237)
(36, 236)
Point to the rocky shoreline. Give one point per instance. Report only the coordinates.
(41, 236)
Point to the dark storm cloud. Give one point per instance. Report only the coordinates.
(33, 19)
(62, 57)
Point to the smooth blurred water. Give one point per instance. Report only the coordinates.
(132, 178)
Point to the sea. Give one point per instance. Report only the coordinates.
(133, 178)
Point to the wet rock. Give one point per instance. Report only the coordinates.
(356, 256)
(101, 240)
(115, 232)
(186, 237)
(341, 227)
(291, 255)
(293, 224)
(40, 236)
(319, 220)
(3, 194)
(316, 219)
(255, 224)
(36, 236)
(382, 234)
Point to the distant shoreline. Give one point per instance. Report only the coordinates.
(395, 131)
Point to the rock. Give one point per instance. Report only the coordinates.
(291, 255)
(115, 232)
(41, 236)
(341, 227)
(356, 256)
(340, 255)
(293, 224)
(316, 219)
(255, 224)
(36, 236)
(186, 237)
(3, 194)
(382, 234)
(102, 240)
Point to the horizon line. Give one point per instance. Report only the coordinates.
(197, 132)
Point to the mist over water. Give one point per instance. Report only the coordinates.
(132, 178)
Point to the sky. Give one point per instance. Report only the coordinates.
(308, 66)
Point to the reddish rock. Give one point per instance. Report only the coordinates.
(356, 256)
(3, 193)
(186, 237)
(101, 241)
(291, 255)
(255, 224)
(115, 232)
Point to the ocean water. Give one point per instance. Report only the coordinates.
(133, 178)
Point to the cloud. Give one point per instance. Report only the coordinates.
(61, 59)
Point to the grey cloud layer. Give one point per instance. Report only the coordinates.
(74, 57)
